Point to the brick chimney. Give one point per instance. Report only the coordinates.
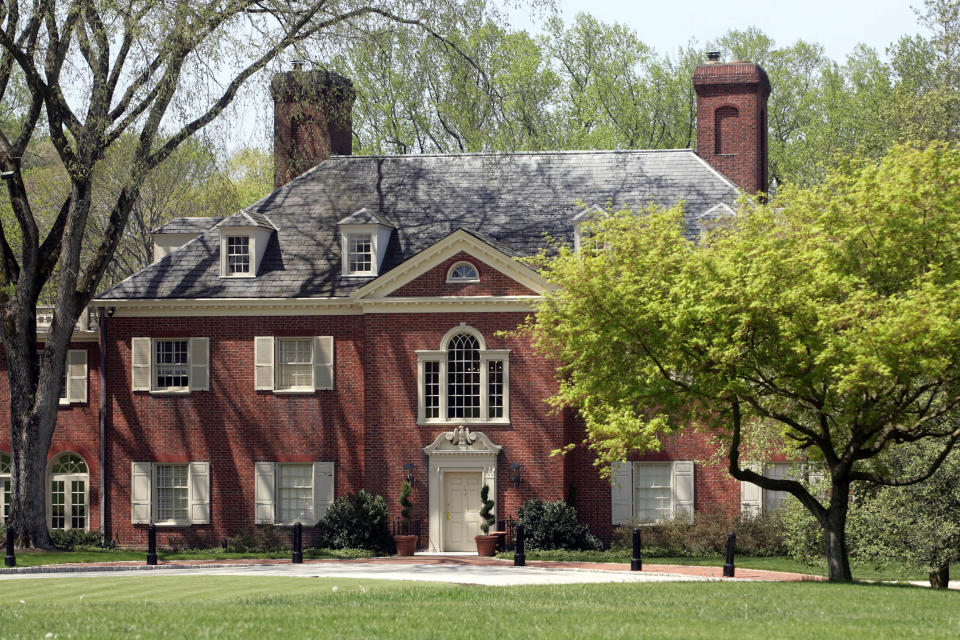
(732, 120)
(311, 120)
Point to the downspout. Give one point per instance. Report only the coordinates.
(102, 330)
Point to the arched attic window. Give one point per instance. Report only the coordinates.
(463, 272)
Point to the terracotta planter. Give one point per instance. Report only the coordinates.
(406, 545)
(486, 545)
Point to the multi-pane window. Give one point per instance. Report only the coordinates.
(172, 364)
(63, 379)
(651, 488)
(295, 362)
(463, 272)
(172, 492)
(359, 253)
(6, 467)
(463, 377)
(238, 255)
(296, 491)
(68, 492)
(463, 381)
(775, 500)
(431, 389)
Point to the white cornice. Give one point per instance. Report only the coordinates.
(450, 304)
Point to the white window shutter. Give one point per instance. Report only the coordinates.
(141, 491)
(198, 489)
(77, 375)
(323, 363)
(263, 355)
(681, 487)
(265, 494)
(322, 489)
(140, 358)
(751, 495)
(621, 492)
(199, 355)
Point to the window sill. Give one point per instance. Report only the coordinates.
(231, 276)
(367, 274)
(174, 523)
(295, 392)
(463, 421)
(463, 281)
(170, 392)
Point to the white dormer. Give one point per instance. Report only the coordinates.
(364, 236)
(243, 241)
(578, 221)
(169, 237)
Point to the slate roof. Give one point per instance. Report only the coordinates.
(511, 201)
(188, 225)
(365, 216)
(248, 219)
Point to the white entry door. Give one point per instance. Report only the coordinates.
(462, 510)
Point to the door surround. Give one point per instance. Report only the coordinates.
(459, 450)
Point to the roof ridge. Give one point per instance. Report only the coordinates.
(496, 154)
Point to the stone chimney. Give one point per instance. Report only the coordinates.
(311, 120)
(732, 120)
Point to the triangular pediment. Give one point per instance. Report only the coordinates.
(459, 241)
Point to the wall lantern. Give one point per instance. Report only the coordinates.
(515, 467)
(408, 467)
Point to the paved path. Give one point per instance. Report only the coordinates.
(451, 569)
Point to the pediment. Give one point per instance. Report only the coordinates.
(462, 441)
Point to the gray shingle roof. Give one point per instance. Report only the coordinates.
(187, 225)
(365, 216)
(510, 200)
(248, 219)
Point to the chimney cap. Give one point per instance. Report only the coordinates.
(713, 56)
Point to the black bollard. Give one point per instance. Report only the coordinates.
(152, 544)
(297, 544)
(728, 568)
(11, 560)
(519, 558)
(636, 563)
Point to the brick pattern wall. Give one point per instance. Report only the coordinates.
(434, 282)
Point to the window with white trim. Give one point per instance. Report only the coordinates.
(650, 492)
(290, 492)
(67, 502)
(755, 500)
(463, 272)
(6, 468)
(170, 365)
(463, 381)
(360, 254)
(172, 494)
(238, 255)
(300, 365)
(73, 384)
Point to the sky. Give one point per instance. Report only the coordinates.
(839, 25)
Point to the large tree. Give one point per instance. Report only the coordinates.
(94, 72)
(830, 316)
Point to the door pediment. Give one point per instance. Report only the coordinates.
(462, 441)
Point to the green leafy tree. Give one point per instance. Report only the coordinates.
(830, 316)
(97, 73)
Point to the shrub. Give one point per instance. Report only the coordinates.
(78, 540)
(406, 506)
(554, 525)
(260, 539)
(356, 521)
(706, 535)
(486, 507)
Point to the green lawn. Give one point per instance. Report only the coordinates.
(38, 558)
(228, 607)
(775, 563)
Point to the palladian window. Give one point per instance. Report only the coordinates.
(463, 381)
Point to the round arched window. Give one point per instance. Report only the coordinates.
(463, 272)
(69, 479)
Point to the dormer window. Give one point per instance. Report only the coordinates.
(238, 255)
(359, 253)
(463, 272)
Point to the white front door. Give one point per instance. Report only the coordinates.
(462, 510)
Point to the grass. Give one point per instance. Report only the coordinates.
(38, 558)
(772, 563)
(159, 606)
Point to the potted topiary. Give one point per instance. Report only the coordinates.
(486, 544)
(406, 543)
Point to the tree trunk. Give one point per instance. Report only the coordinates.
(835, 534)
(940, 579)
(28, 485)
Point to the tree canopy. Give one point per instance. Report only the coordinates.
(829, 317)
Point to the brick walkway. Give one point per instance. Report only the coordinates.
(454, 561)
